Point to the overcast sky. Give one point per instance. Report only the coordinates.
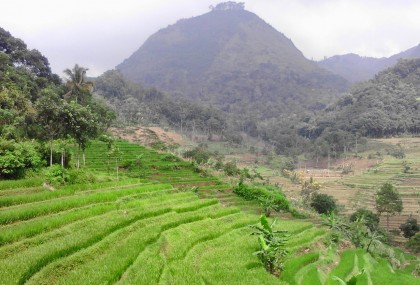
(100, 34)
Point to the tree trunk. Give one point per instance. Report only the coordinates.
(62, 158)
(84, 157)
(387, 222)
(78, 158)
(51, 153)
(116, 166)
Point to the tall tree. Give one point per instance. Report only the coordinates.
(79, 88)
(388, 201)
(82, 124)
(49, 116)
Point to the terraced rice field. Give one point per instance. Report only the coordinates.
(132, 231)
(147, 230)
(356, 191)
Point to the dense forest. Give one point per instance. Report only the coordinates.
(387, 105)
(137, 105)
(39, 115)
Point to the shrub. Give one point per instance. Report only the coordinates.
(79, 176)
(397, 152)
(159, 145)
(414, 243)
(198, 154)
(323, 203)
(16, 157)
(277, 200)
(56, 175)
(231, 169)
(410, 227)
(371, 219)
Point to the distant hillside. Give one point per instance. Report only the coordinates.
(356, 68)
(228, 56)
(387, 105)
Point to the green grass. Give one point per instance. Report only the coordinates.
(32, 210)
(294, 264)
(311, 277)
(153, 231)
(345, 267)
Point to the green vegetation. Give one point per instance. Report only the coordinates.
(272, 252)
(89, 208)
(268, 195)
(410, 227)
(388, 201)
(323, 203)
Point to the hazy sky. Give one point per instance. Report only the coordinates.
(99, 34)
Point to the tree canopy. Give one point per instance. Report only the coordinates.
(34, 107)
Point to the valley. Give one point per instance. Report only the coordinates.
(214, 153)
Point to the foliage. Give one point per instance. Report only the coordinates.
(16, 157)
(410, 227)
(272, 244)
(397, 152)
(334, 223)
(276, 199)
(388, 201)
(135, 104)
(371, 219)
(230, 169)
(268, 203)
(323, 203)
(198, 154)
(414, 243)
(56, 175)
(79, 89)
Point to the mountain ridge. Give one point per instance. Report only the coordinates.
(227, 52)
(356, 68)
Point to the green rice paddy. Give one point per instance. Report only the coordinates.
(152, 229)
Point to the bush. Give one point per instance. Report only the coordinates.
(277, 200)
(397, 152)
(410, 227)
(414, 243)
(371, 219)
(159, 145)
(17, 157)
(231, 169)
(323, 203)
(198, 154)
(56, 175)
(171, 158)
(79, 176)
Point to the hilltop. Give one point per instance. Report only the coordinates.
(227, 56)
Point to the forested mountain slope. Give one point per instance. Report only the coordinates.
(387, 105)
(358, 68)
(229, 56)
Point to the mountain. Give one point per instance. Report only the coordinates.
(230, 55)
(387, 105)
(356, 68)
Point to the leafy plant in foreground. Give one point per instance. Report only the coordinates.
(272, 243)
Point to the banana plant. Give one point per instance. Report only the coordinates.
(272, 251)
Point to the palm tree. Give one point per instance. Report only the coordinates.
(78, 87)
